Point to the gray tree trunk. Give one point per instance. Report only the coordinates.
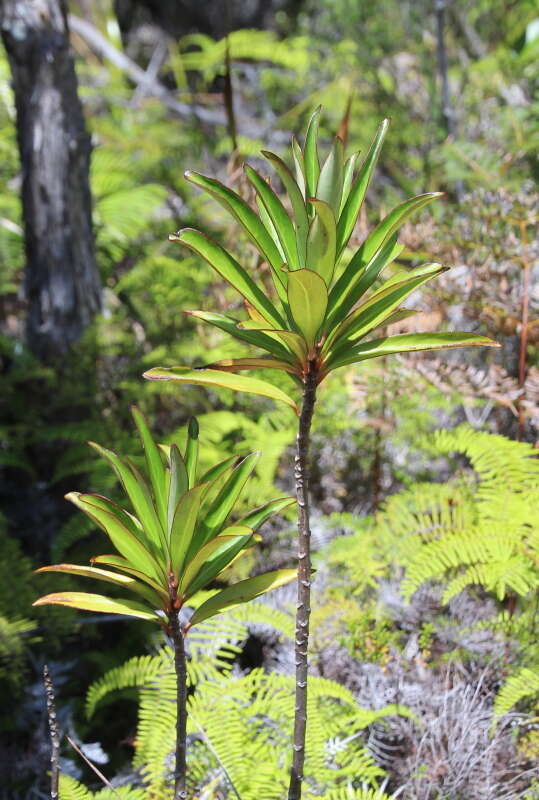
(62, 282)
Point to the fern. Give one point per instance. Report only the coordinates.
(71, 789)
(524, 684)
(240, 725)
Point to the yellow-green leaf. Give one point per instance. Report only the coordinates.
(226, 380)
(308, 299)
(321, 241)
(98, 603)
(110, 577)
(241, 592)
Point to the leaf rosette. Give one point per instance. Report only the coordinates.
(175, 538)
(326, 312)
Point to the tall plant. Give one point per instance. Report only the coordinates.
(174, 541)
(324, 309)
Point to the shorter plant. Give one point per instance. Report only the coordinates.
(174, 542)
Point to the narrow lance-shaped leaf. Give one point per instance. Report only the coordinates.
(348, 177)
(191, 451)
(345, 291)
(365, 277)
(154, 463)
(122, 564)
(308, 297)
(217, 514)
(232, 327)
(277, 212)
(409, 342)
(179, 483)
(123, 540)
(183, 526)
(330, 182)
(98, 603)
(254, 519)
(237, 538)
(310, 154)
(231, 271)
(128, 520)
(299, 166)
(241, 592)
(217, 470)
(247, 218)
(301, 218)
(139, 495)
(109, 577)
(321, 241)
(352, 207)
(393, 222)
(203, 555)
(240, 364)
(379, 306)
(226, 380)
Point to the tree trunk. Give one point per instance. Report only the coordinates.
(61, 282)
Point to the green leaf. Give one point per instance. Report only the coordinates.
(179, 483)
(236, 539)
(321, 241)
(310, 154)
(99, 603)
(121, 563)
(183, 526)
(154, 463)
(247, 218)
(123, 540)
(299, 166)
(308, 297)
(278, 215)
(352, 207)
(393, 222)
(191, 451)
(218, 512)
(301, 218)
(408, 342)
(241, 592)
(348, 177)
(357, 277)
(254, 519)
(227, 380)
(206, 554)
(110, 577)
(380, 305)
(231, 326)
(217, 470)
(330, 182)
(239, 364)
(139, 495)
(126, 519)
(231, 271)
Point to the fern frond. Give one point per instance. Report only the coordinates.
(71, 789)
(524, 684)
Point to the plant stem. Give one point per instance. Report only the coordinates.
(301, 474)
(180, 792)
(54, 732)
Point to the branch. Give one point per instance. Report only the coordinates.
(102, 47)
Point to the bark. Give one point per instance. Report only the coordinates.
(304, 583)
(180, 792)
(54, 733)
(61, 281)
